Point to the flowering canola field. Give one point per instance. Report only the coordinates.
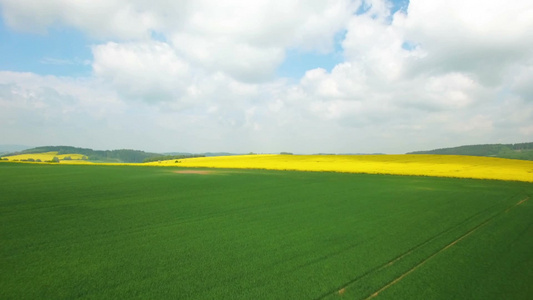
(44, 156)
(421, 165)
(458, 166)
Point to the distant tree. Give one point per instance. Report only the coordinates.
(170, 157)
(55, 159)
(285, 153)
(67, 158)
(37, 160)
(30, 159)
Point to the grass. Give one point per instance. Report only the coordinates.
(108, 232)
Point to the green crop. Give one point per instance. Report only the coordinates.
(115, 232)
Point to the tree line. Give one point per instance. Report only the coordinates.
(121, 155)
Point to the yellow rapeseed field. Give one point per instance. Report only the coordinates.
(422, 165)
(45, 156)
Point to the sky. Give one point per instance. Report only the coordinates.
(266, 76)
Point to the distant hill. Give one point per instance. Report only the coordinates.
(122, 155)
(4, 149)
(522, 151)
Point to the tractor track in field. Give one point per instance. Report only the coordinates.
(342, 289)
(376, 293)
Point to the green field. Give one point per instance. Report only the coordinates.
(123, 232)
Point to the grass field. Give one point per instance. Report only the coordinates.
(122, 232)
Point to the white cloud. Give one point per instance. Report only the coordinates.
(479, 37)
(264, 23)
(248, 39)
(444, 73)
(100, 18)
(42, 110)
(149, 71)
(245, 39)
(240, 60)
(520, 80)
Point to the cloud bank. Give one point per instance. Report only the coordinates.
(201, 76)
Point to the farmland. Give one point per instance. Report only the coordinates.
(457, 166)
(421, 165)
(46, 156)
(99, 231)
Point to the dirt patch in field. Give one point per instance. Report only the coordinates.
(200, 172)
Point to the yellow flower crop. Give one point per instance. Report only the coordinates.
(422, 165)
(45, 156)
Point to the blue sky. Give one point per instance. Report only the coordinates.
(60, 51)
(334, 76)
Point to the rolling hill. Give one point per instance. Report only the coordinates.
(522, 151)
(122, 155)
